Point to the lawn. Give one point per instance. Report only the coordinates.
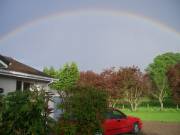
(154, 114)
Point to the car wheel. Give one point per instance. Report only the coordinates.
(98, 133)
(136, 128)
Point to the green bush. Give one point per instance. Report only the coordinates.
(84, 111)
(25, 113)
(1, 109)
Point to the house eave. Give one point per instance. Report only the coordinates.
(26, 76)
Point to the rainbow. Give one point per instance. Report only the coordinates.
(118, 13)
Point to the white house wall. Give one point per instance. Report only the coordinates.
(8, 84)
(43, 84)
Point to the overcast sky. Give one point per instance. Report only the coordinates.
(96, 34)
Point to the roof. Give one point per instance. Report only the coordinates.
(14, 65)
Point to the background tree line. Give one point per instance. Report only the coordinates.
(127, 84)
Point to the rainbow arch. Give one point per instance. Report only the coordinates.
(116, 13)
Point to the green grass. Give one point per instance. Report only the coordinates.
(154, 114)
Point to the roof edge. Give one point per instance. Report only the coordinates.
(26, 76)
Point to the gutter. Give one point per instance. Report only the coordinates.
(26, 76)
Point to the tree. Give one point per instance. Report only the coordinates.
(112, 82)
(50, 71)
(107, 80)
(173, 75)
(157, 72)
(133, 85)
(67, 76)
(91, 79)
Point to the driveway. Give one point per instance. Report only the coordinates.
(160, 128)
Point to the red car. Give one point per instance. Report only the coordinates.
(117, 122)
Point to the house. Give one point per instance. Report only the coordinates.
(15, 75)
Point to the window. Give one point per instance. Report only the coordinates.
(26, 86)
(18, 85)
(1, 90)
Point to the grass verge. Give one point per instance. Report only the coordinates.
(154, 114)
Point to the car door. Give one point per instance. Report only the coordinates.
(121, 121)
(114, 123)
(110, 124)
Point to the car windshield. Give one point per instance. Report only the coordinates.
(115, 114)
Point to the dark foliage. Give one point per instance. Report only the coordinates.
(84, 111)
(174, 82)
(26, 113)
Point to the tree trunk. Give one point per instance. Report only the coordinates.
(162, 105)
(114, 102)
(135, 106)
(123, 106)
(147, 106)
(132, 107)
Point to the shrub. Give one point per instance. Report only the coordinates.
(25, 113)
(1, 109)
(84, 111)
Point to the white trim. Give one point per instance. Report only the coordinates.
(4, 64)
(27, 76)
(22, 85)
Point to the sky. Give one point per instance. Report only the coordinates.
(96, 34)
